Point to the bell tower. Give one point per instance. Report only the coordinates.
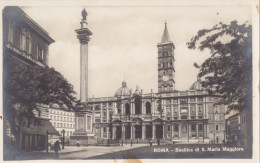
(166, 72)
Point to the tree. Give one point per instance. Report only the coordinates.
(28, 88)
(228, 70)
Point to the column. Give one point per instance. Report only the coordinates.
(154, 131)
(172, 111)
(204, 109)
(123, 132)
(188, 128)
(132, 131)
(163, 134)
(143, 108)
(108, 136)
(122, 109)
(143, 132)
(83, 34)
(172, 130)
(197, 131)
(179, 110)
(188, 111)
(179, 130)
(196, 111)
(114, 132)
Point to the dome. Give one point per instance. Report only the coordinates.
(197, 85)
(123, 91)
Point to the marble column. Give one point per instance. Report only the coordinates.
(154, 131)
(143, 132)
(83, 34)
(179, 130)
(197, 131)
(132, 131)
(123, 131)
(114, 132)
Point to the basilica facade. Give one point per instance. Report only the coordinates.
(185, 116)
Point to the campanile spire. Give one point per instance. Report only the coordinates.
(166, 36)
(166, 71)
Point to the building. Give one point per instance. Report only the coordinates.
(26, 42)
(62, 120)
(191, 115)
(237, 129)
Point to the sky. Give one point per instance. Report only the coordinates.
(124, 42)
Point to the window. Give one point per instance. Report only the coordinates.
(216, 127)
(175, 100)
(200, 117)
(175, 118)
(192, 117)
(193, 127)
(192, 108)
(39, 53)
(200, 108)
(184, 117)
(70, 125)
(54, 124)
(175, 108)
(192, 99)
(200, 127)
(28, 44)
(169, 128)
(200, 99)
(54, 118)
(176, 128)
(184, 128)
(184, 110)
(104, 129)
(58, 125)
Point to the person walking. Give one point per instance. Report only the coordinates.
(77, 143)
(158, 142)
(57, 148)
(131, 141)
(151, 142)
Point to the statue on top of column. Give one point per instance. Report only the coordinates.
(84, 14)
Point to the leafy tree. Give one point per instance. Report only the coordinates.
(228, 70)
(28, 88)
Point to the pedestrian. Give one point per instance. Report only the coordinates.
(137, 140)
(151, 142)
(131, 141)
(158, 142)
(57, 148)
(77, 143)
(122, 142)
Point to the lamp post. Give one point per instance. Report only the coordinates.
(63, 139)
(224, 137)
(110, 127)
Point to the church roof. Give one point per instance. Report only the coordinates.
(123, 91)
(166, 36)
(197, 85)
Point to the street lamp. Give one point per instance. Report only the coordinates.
(63, 131)
(110, 127)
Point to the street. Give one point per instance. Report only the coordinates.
(141, 151)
